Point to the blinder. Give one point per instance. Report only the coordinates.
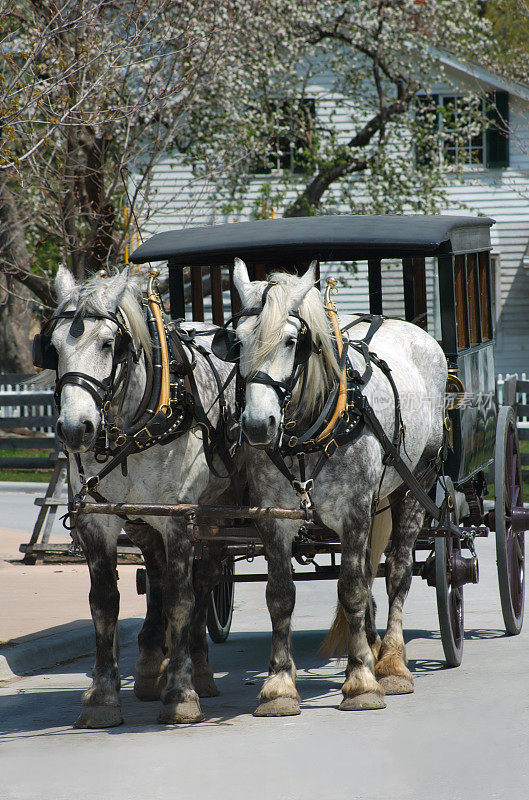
(304, 345)
(44, 353)
(121, 347)
(225, 345)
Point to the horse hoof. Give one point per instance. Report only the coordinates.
(99, 717)
(367, 701)
(148, 689)
(205, 686)
(396, 684)
(185, 712)
(278, 707)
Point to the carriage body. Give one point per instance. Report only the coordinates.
(200, 258)
(440, 268)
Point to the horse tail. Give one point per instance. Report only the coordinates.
(338, 639)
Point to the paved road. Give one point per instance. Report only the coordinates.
(463, 734)
(18, 512)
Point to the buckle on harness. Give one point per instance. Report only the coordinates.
(303, 487)
(330, 448)
(143, 436)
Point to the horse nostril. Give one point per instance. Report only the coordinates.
(88, 426)
(271, 422)
(59, 430)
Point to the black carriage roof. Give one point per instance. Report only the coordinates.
(327, 238)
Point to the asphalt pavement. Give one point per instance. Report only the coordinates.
(462, 735)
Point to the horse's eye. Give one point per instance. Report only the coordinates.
(290, 342)
(107, 345)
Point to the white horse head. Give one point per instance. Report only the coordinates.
(268, 345)
(91, 353)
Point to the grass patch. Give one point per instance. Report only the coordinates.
(30, 475)
(9, 452)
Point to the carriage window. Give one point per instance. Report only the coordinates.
(463, 339)
(485, 294)
(473, 299)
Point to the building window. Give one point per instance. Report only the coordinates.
(464, 140)
(461, 123)
(287, 150)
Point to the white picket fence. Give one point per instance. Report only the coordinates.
(523, 397)
(15, 403)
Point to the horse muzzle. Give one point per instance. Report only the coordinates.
(79, 436)
(259, 432)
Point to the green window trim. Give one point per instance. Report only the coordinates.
(497, 134)
(496, 138)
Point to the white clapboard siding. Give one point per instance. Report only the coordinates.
(177, 199)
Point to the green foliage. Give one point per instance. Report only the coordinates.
(321, 96)
(509, 52)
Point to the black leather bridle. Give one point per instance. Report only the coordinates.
(45, 356)
(226, 346)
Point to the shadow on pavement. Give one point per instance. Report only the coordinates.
(85, 625)
(240, 664)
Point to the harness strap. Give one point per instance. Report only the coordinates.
(376, 321)
(394, 460)
(98, 389)
(211, 435)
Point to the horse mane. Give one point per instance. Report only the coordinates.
(99, 295)
(267, 333)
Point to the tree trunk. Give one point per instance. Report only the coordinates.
(16, 318)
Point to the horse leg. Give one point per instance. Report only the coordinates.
(152, 662)
(391, 670)
(360, 690)
(279, 696)
(180, 701)
(101, 702)
(206, 574)
(373, 639)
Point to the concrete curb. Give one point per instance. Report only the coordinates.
(22, 486)
(46, 652)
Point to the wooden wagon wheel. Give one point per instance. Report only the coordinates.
(510, 546)
(450, 606)
(220, 609)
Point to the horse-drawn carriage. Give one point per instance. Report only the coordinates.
(454, 252)
(353, 467)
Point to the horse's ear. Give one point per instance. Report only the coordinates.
(241, 279)
(303, 286)
(64, 283)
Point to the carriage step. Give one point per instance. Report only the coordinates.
(51, 501)
(64, 547)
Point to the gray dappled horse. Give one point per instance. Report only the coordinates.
(175, 472)
(349, 482)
